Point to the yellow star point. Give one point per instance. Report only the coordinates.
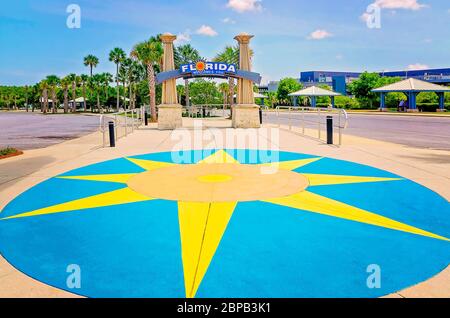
(328, 179)
(202, 226)
(220, 156)
(310, 202)
(149, 165)
(118, 178)
(292, 164)
(121, 196)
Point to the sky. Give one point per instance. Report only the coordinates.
(39, 38)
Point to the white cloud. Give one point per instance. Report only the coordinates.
(339, 57)
(207, 31)
(183, 37)
(400, 4)
(244, 5)
(319, 35)
(415, 5)
(417, 66)
(228, 21)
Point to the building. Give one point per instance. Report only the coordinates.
(339, 80)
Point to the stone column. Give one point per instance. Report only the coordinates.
(170, 111)
(245, 112)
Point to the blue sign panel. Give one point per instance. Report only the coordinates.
(202, 68)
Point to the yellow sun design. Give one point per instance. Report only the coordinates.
(200, 66)
(208, 192)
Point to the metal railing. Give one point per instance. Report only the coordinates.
(207, 110)
(125, 122)
(305, 118)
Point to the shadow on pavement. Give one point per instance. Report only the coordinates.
(436, 159)
(12, 171)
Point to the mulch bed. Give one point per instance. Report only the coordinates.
(17, 153)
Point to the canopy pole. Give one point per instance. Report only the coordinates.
(383, 102)
(412, 102)
(441, 102)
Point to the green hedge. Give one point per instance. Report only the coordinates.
(430, 107)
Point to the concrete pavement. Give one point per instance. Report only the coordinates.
(430, 168)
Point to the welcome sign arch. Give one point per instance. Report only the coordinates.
(245, 112)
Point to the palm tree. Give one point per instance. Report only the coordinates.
(117, 55)
(230, 55)
(107, 78)
(130, 72)
(84, 81)
(7, 100)
(124, 76)
(137, 74)
(35, 92)
(91, 61)
(150, 54)
(26, 98)
(43, 86)
(74, 81)
(65, 83)
(186, 54)
(53, 82)
(180, 91)
(224, 89)
(95, 84)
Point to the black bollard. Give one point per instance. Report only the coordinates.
(146, 118)
(112, 138)
(260, 115)
(329, 130)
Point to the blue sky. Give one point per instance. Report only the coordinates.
(290, 35)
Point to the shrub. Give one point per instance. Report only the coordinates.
(346, 102)
(7, 151)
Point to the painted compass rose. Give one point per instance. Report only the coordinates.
(144, 226)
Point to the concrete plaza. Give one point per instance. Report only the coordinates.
(430, 168)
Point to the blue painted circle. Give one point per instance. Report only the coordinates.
(133, 250)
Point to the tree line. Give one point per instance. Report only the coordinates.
(134, 79)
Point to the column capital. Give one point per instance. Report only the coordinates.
(168, 38)
(243, 38)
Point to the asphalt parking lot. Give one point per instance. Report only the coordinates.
(34, 130)
(415, 131)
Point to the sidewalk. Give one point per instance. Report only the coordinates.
(377, 112)
(430, 168)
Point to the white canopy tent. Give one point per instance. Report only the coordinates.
(79, 102)
(314, 92)
(411, 87)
